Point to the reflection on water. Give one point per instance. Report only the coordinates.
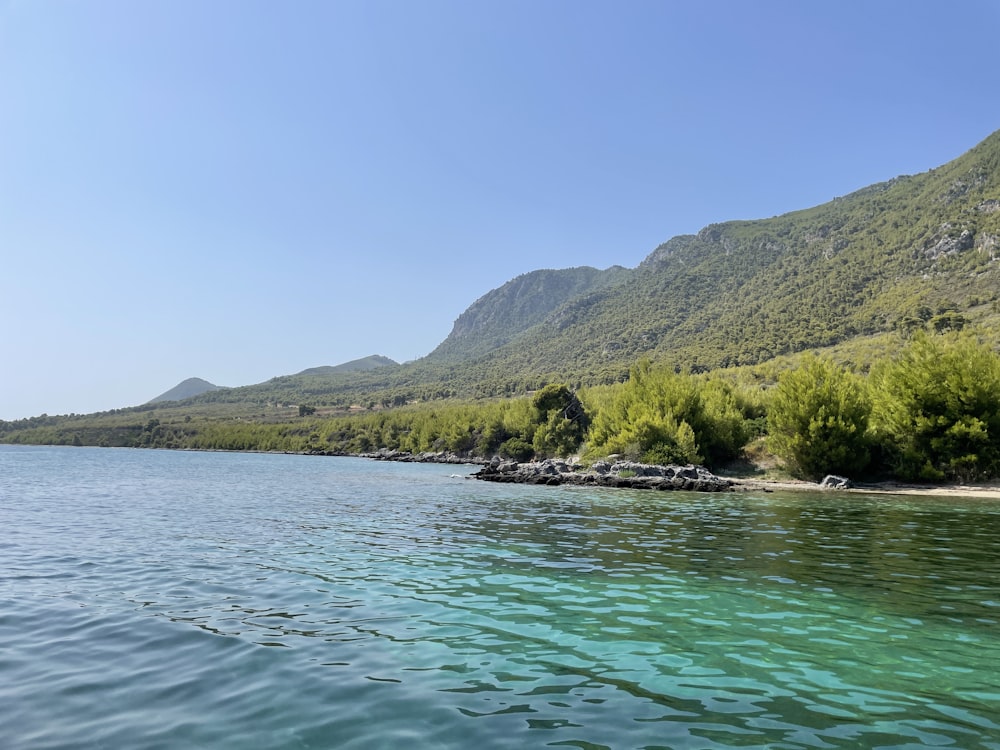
(166, 599)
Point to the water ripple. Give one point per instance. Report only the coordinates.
(160, 600)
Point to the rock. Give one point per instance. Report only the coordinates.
(445, 457)
(834, 482)
(601, 467)
(949, 244)
(624, 474)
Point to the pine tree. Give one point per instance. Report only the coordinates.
(818, 420)
(937, 406)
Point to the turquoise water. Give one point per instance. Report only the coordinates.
(158, 599)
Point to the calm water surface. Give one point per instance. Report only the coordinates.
(157, 599)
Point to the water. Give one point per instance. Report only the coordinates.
(157, 599)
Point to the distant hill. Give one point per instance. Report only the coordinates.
(355, 365)
(186, 389)
(312, 385)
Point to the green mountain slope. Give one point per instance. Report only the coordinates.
(915, 249)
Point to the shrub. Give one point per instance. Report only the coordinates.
(937, 408)
(660, 416)
(818, 420)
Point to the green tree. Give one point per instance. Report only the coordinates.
(640, 418)
(516, 449)
(818, 420)
(664, 417)
(726, 419)
(937, 407)
(561, 421)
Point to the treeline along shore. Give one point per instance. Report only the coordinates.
(930, 413)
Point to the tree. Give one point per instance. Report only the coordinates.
(818, 420)
(516, 449)
(937, 406)
(561, 421)
(665, 417)
(649, 418)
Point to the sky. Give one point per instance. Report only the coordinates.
(240, 189)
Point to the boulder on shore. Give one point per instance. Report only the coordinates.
(624, 474)
(834, 482)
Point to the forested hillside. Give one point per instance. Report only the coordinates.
(889, 257)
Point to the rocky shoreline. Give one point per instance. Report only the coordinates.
(620, 474)
(552, 471)
(444, 457)
(631, 475)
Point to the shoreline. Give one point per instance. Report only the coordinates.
(630, 475)
(986, 490)
(983, 490)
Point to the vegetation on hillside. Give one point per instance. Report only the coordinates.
(699, 352)
(932, 412)
(364, 364)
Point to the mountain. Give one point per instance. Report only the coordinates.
(355, 365)
(500, 315)
(919, 250)
(914, 251)
(911, 251)
(186, 389)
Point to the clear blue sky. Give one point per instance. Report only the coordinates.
(237, 189)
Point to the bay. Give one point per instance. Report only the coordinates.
(161, 599)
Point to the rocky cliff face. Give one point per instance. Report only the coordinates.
(521, 303)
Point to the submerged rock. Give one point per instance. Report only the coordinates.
(624, 474)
